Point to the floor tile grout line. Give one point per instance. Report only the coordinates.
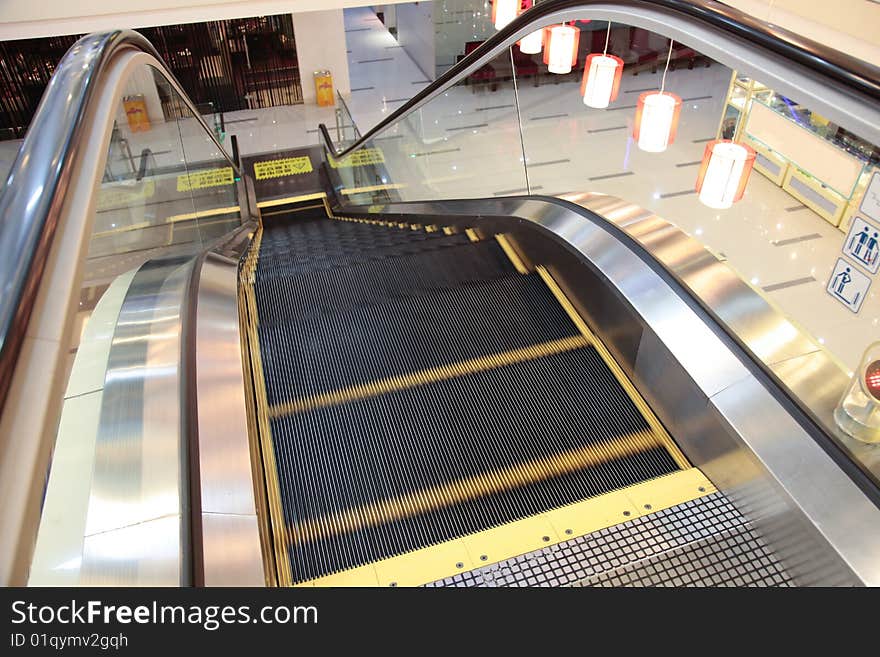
(787, 284)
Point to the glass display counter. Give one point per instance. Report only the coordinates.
(823, 166)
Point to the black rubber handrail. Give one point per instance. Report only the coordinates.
(837, 67)
(146, 154)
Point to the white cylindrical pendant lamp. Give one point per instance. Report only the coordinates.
(531, 44)
(504, 11)
(601, 81)
(724, 173)
(656, 120)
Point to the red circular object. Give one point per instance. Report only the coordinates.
(872, 379)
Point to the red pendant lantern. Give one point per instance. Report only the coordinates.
(504, 11)
(601, 82)
(656, 120)
(724, 173)
(561, 48)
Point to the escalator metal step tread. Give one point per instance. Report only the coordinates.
(295, 239)
(737, 557)
(345, 239)
(300, 258)
(418, 389)
(286, 297)
(312, 210)
(337, 350)
(385, 475)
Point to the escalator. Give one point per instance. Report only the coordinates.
(416, 384)
(303, 378)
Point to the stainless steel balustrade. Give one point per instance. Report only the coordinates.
(56, 178)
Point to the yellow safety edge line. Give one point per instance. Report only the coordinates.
(424, 377)
(371, 188)
(285, 577)
(298, 208)
(258, 473)
(430, 228)
(327, 207)
(291, 199)
(563, 300)
(169, 220)
(511, 254)
(125, 229)
(615, 368)
(202, 213)
(456, 491)
(522, 536)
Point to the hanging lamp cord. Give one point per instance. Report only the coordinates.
(666, 70)
(607, 36)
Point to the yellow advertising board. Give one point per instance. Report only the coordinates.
(288, 166)
(358, 158)
(324, 88)
(202, 179)
(136, 113)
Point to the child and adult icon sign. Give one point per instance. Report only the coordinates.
(862, 244)
(848, 285)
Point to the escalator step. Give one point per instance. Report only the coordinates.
(337, 350)
(285, 297)
(331, 232)
(373, 478)
(419, 389)
(298, 253)
(303, 258)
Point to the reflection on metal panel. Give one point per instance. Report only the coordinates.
(147, 554)
(232, 555)
(763, 329)
(831, 502)
(817, 376)
(139, 477)
(230, 535)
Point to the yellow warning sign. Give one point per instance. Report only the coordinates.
(289, 166)
(201, 179)
(359, 158)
